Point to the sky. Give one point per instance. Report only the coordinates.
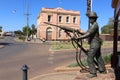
(12, 12)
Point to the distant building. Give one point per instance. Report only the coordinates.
(1, 32)
(112, 33)
(109, 37)
(58, 16)
(106, 37)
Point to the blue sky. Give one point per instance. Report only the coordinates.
(12, 11)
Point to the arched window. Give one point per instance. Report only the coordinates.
(60, 32)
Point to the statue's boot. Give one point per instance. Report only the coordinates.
(91, 75)
(103, 72)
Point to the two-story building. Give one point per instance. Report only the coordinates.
(57, 16)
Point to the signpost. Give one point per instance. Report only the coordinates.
(115, 57)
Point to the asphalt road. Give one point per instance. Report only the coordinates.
(36, 56)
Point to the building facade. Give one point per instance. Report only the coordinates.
(57, 16)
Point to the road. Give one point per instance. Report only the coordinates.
(37, 56)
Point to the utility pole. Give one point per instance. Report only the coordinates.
(27, 17)
(89, 6)
(89, 9)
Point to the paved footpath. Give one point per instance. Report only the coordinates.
(75, 75)
(57, 76)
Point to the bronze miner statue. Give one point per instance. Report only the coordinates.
(95, 43)
(94, 53)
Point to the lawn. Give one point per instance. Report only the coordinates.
(68, 45)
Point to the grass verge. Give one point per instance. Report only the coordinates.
(106, 58)
(68, 45)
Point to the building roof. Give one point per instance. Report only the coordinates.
(60, 10)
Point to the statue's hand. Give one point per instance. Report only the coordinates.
(87, 50)
(74, 38)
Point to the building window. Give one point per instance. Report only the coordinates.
(67, 19)
(60, 19)
(74, 19)
(60, 32)
(49, 18)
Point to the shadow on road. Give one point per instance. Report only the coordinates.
(5, 44)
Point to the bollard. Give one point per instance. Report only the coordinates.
(24, 69)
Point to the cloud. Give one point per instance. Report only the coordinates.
(14, 11)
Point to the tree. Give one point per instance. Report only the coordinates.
(110, 22)
(18, 33)
(33, 30)
(0, 28)
(27, 31)
(107, 28)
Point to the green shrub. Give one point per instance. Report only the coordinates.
(106, 58)
(84, 62)
(1, 37)
(21, 38)
(73, 65)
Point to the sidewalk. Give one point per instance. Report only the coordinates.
(75, 75)
(56, 76)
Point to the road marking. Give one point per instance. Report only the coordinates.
(51, 58)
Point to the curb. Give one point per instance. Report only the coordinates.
(68, 74)
(64, 68)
